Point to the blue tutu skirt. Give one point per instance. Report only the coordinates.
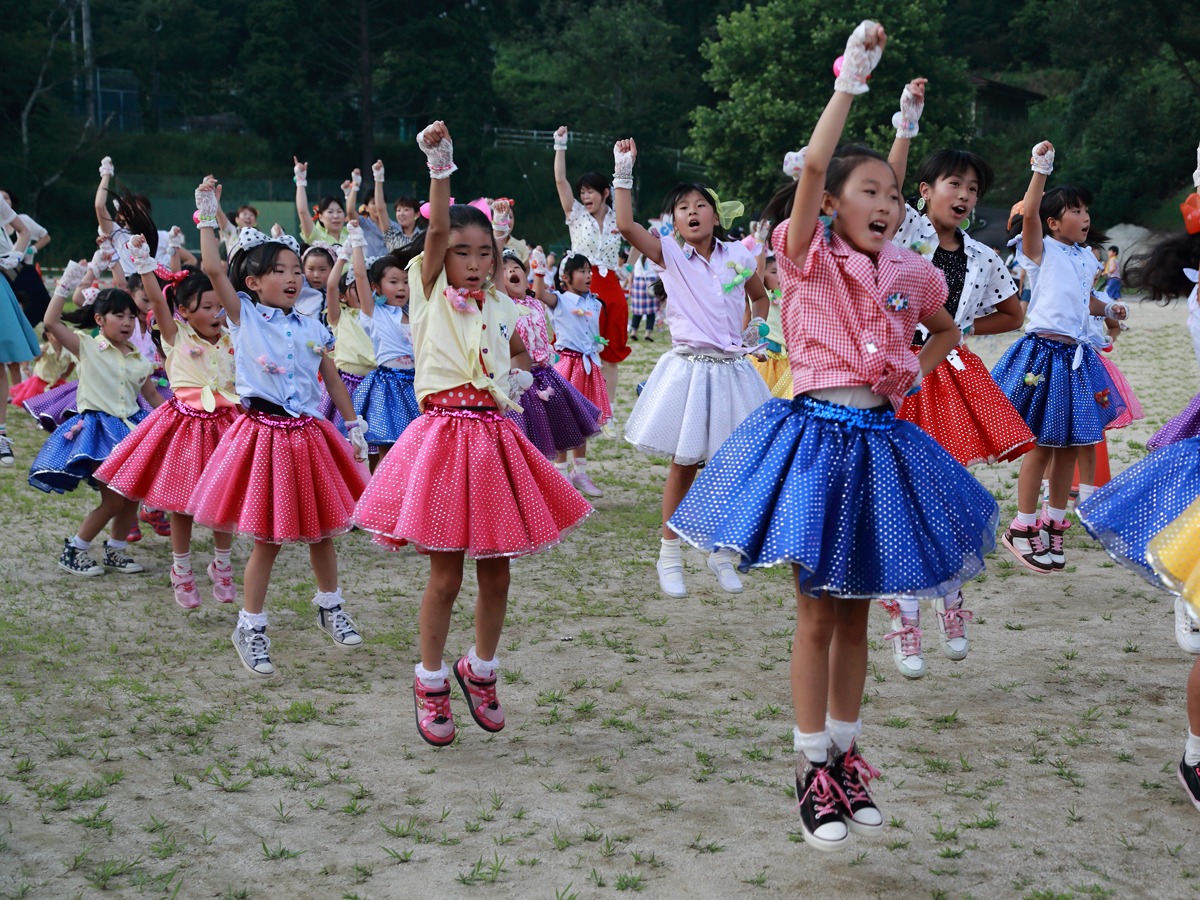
(385, 398)
(1130, 510)
(1063, 405)
(865, 504)
(18, 343)
(77, 448)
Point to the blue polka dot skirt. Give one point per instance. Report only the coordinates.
(76, 448)
(386, 399)
(865, 504)
(1062, 391)
(1130, 510)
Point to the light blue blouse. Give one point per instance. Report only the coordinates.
(278, 355)
(390, 335)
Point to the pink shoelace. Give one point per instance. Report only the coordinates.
(826, 793)
(953, 620)
(1057, 530)
(862, 772)
(910, 637)
(436, 701)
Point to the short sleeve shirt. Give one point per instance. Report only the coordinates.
(600, 243)
(353, 352)
(278, 356)
(201, 373)
(706, 297)
(390, 335)
(109, 380)
(1061, 288)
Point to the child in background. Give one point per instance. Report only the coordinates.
(352, 353)
(18, 342)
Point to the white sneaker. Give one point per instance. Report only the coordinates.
(906, 641)
(720, 563)
(254, 648)
(952, 625)
(1187, 631)
(670, 578)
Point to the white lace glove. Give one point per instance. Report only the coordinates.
(858, 62)
(354, 237)
(356, 179)
(560, 138)
(11, 260)
(906, 120)
(343, 251)
(755, 332)
(537, 262)
(299, 173)
(1114, 309)
(356, 431)
(519, 381)
(206, 206)
(72, 277)
(622, 169)
(175, 237)
(1042, 160)
(377, 171)
(106, 168)
(139, 255)
(793, 163)
(439, 157)
(277, 230)
(1196, 174)
(502, 217)
(100, 261)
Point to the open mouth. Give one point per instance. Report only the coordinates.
(959, 211)
(291, 292)
(514, 278)
(877, 227)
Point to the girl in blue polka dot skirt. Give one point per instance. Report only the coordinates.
(862, 504)
(1053, 376)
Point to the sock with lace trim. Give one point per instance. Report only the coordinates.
(843, 733)
(815, 746)
(249, 620)
(432, 679)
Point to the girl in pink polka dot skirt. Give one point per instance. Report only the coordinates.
(463, 481)
(160, 463)
(282, 473)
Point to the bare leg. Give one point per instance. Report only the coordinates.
(848, 658)
(258, 576)
(816, 621)
(679, 480)
(323, 557)
(437, 603)
(1062, 471)
(111, 507)
(181, 533)
(1029, 480)
(609, 370)
(491, 606)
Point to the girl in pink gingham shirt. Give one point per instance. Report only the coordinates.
(860, 503)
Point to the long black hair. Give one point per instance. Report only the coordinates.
(132, 212)
(1159, 270)
(109, 300)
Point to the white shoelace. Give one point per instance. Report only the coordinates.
(343, 625)
(258, 644)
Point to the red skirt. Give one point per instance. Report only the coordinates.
(590, 384)
(614, 315)
(1133, 407)
(280, 480)
(29, 388)
(161, 461)
(468, 481)
(965, 411)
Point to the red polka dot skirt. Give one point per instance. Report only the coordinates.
(590, 384)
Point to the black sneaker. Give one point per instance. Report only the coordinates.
(6, 454)
(634, 337)
(77, 561)
(1189, 777)
(823, 807)
(116, 561)
(852, 774)
(649, 337)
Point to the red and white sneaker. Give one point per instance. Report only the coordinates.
(906, 641)
(481, 696)
(952, 625)
(224, 590)
(186, 594)
(135, 534)
(156, 519)
(1027, 545)
(435, 722)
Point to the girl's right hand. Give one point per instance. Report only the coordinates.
(299, 172)
(438, 148)
(354, 236)
(206, 202)
(537, 262)
(624, 156)
(864, 48)
(106, 168)
(139, 255)
(561, 136)
(1042, 160)
(377, 171)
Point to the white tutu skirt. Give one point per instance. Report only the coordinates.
(691, 404)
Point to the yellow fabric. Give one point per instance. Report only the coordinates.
(353, 352)
(109, 380)
(194, 363)
(1175, 555)
(776, 371)
(53, 364)
(450, 345)
(775, 324)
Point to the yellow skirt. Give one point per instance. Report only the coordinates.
(1175, 555)
(776, 371)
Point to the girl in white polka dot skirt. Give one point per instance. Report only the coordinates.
(282, 473)
(1053, 376)
(463, 481)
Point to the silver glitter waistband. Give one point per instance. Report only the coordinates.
(700, 357)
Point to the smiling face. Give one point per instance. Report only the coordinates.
(246, 218)
(406, 218)
(951, 199)
(470, 257)
(280, 285)
(514, 280)
(868, 206)
(206, 316)
(592, 200)
(1072, 226)
(695, 218)
(333, 217)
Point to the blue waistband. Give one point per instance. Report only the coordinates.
(881, 418)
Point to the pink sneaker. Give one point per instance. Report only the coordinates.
(585, 485)
(186, 594)
(905, 637)
(481, 697)
(435, 722)
(952, 624)
(224, 590)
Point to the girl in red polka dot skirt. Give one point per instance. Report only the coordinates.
(160, 463)
(282, 473)
(463, 481)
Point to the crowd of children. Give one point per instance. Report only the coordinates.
(435, 382)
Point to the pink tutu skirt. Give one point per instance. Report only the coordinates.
(1133, 407)
(161, 461)
(279, 479)
(29, 388)
(462, 480)
(590, 384)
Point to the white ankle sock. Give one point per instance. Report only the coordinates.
(1056, 515)
(328, 599)
(484, 667)
(563, 468)
(222, 557)
(80, 544)
(116, 545)
(432, 679)
(251, 620)
(579, 463)
(1085, 493)
(843, 733)
(910, 608)
(182, 563)
(815, 747)
(670, 550)
(1191, 752)
(1027, 520)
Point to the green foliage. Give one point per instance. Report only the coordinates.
(771, 68)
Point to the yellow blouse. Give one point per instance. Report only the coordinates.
(353, 352)
(54, 363)
(201, 373)
(109, 380)
(455, 348)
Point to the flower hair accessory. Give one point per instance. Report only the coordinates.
(464, 301)
(89, 296)
(249, 238)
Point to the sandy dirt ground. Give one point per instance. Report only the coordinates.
(648, 746)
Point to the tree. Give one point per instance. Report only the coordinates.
(770, 67)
